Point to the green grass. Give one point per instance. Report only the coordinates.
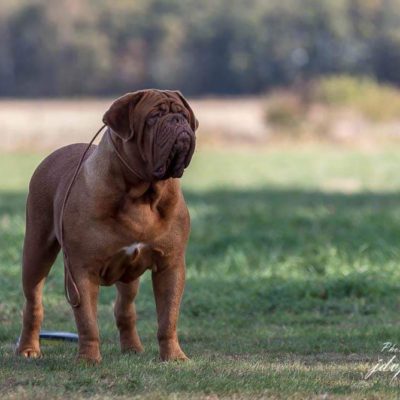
(293, 285)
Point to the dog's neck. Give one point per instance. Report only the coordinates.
(105, 172)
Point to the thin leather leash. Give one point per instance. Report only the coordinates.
(68, 273)
(123, 161)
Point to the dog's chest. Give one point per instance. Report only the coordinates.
(134, 240)
(141, 214)
(141, 221)
(128, 263)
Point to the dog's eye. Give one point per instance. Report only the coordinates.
(185, 114)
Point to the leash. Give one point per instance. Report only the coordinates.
(123, 161)
(67, 273)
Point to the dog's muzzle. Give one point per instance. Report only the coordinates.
(178, 158)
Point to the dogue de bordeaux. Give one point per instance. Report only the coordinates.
(115, 210)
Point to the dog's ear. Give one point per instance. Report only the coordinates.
(119, 116)
(194, 123)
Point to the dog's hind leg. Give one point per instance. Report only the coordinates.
(40, 251)
(125, 316)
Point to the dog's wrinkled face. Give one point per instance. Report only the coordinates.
(159, 126)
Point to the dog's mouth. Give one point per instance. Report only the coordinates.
(178, 158)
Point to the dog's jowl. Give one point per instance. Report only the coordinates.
(114, 213)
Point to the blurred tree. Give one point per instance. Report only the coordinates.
(100, 47)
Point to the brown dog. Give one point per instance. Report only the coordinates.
(124, 215)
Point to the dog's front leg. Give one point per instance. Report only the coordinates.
(168, 285)
(125, 316)
(86, 319)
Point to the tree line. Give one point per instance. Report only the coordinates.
(224, 47)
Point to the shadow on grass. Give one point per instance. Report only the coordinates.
(282, 222)
(351, 239)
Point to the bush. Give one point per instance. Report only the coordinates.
(285, 110)
(374, 101)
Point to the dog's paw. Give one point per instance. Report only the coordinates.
(29, 353)
(174, 356)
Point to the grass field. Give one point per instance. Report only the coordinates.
(293, 285)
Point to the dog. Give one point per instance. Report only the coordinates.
(120, 214)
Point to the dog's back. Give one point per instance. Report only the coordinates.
(50, 180)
